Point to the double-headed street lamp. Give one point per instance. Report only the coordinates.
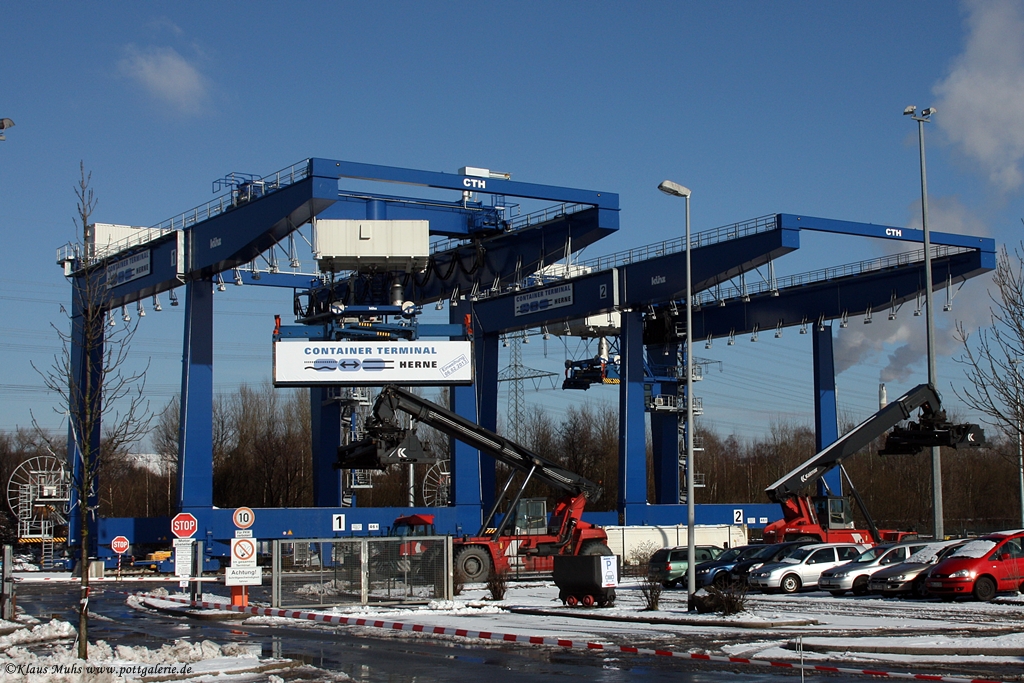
(677, 190)
(925, 117)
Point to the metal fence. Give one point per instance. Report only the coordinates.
(340, 571)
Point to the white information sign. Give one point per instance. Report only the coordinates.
(306, 363)
(127, 269)
(243, 576)
(337, 522)
(183, 556)
(243, 552)
(543, 299)
(609, 571)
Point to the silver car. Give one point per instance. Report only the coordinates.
(854, 576)
(907, 578)
(803, 567)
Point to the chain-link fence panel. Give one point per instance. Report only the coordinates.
(338, 571)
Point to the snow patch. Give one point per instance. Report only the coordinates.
(975, 549)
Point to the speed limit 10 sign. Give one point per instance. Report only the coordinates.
(243, 517)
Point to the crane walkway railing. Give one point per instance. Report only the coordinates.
(825, 274)
(74, 252)
(678, 244)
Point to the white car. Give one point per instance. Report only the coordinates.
(803, 567)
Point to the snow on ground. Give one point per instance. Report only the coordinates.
(846, 629)
(903, 633)
(119, 663)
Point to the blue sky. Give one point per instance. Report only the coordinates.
(757, 107)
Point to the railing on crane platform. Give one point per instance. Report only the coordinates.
(677, 245)
(290, 175)
(269, 183)
(825, 274)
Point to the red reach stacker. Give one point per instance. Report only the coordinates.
(829, 518)
(524, 535)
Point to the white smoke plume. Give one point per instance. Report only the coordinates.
(981, 100)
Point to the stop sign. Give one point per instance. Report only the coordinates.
(120, 545)
(184, 525)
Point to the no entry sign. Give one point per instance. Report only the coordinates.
(120, 545)
(184, 525)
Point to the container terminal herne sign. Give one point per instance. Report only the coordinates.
(305, 363)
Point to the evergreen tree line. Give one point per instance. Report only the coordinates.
(262, 458)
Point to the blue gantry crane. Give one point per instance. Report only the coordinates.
(489, 236)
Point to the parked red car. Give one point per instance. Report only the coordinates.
(982, 567)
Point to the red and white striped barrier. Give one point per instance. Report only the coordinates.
(554, 642)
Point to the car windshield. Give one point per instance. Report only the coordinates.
(930, 554)
(872, 554)
(660, 555)
(764, 552)
(797, 555)
(732, 554)
(975, 549)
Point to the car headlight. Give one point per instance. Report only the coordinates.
(961, 574)
(703, 571)
(757, 566)
(901, 577)
(840, 575)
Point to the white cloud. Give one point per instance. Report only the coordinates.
(982, 99)
(167, 76)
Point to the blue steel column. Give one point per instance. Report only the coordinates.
(325, 419)
(195, 438)
(826, 427)
(466, 491)
(485, 350)
(665, 433)
(632, 432)
(86, 371)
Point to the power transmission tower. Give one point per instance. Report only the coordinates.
(515, 374)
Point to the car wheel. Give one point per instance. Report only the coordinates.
(790, 583)
(668, 584)
(721, 581)
(984, 589)
(860, 586)
(918, 589)
(838, 593)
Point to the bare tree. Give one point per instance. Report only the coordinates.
(100, 394)
(993, 360)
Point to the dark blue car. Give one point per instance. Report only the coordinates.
(716, 572)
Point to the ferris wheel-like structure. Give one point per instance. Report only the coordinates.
(38, 493)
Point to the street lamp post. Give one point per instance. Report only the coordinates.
(677, 190)
(1020, 435)
(939, 530)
